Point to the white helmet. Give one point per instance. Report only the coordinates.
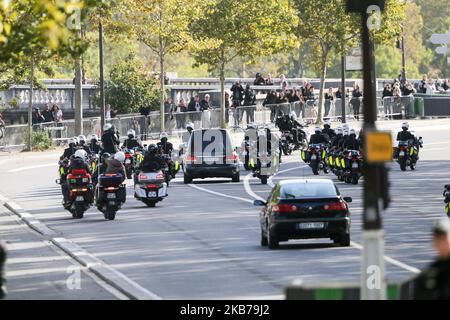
(251, 125)
(352, 131)
(267, 126)
(81, 154)
(327, 123)
(190, 125)
(72, 140)
(345, 126)
(107, 126)
(131, 132)
(82, 138)
(345, 131)
(75, 139)
(119, 156)
(94, 137)
(405, 125)
(317, 129)
(292, 114)
(163, 135)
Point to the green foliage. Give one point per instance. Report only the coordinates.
(129, 88)
(14, 103)
(40, 140)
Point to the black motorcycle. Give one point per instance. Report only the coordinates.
(111, 195)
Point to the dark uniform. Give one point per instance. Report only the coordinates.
(317, 138)
(131, 143)
(110, 142)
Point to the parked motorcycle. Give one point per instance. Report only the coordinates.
(110, 195)
(150, 187)
(447, 199)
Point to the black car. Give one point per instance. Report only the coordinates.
(210, 154)
(304, 209)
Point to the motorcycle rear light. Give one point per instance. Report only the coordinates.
(355, 158)
(232, 157)
(142, 177)
(79, 172)
(127, 155)
(80, 190)
(336, 206)
(111, 189)
(284, 208)
(110, 174)
(152, 186)
(159, 176)
(191, 158)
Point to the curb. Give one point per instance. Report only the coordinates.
(108, 274)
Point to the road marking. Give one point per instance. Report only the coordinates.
(270, 181)
(249, 190)
(390, 260)
(220, 194)
(32, 167)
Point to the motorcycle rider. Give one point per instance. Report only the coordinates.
(109, 139)
(336, 139)
(249, 141)
(115, 165)
(187, 134)
(318, 137)
(68, 152)
(94, 145)
(82, 144)
(328, 131)
(405, 134)
(131, 142)
(165, 149)
(152, 160)
(352, 143)
(78, 161)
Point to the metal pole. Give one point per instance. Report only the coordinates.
(30, 107)
(403, 80)
(373, 284)
(343, 100)
(102, 76)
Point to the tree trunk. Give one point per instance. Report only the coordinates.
(323, 75)
(78, 97)
(30, 107)
(161, 91)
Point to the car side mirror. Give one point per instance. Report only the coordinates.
(348, 199)
(259, 203)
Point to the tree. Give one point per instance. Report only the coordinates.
(226, 29)
(162, 25)
(326, 27)
(129, 87)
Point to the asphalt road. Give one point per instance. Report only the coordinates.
(202, 242)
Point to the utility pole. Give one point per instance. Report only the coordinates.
(377, 149)
(102, 76)
(30, 107)
(78, 97)
(403, 79)
(343, 99)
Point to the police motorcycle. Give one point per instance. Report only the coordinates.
(407, 153)
(150, 187)
(248, 144)
(111, 194)
(77, 184)
(353, 165)
(263, 159)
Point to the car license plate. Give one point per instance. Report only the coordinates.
(128, 161)
(311, 225)
(111, 196)
(152, 194)
(80, 198)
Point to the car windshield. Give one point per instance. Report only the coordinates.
(210, 143)
(308, 190)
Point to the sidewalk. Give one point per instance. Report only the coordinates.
(36, 269)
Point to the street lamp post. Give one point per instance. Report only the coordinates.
(102, 76)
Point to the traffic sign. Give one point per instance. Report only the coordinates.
(378, 146)
(442, 50)
(439, 38)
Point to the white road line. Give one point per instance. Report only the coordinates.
(220, 194)
(249, 190)
(270, 181)
(33, 167)
(390, 260)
